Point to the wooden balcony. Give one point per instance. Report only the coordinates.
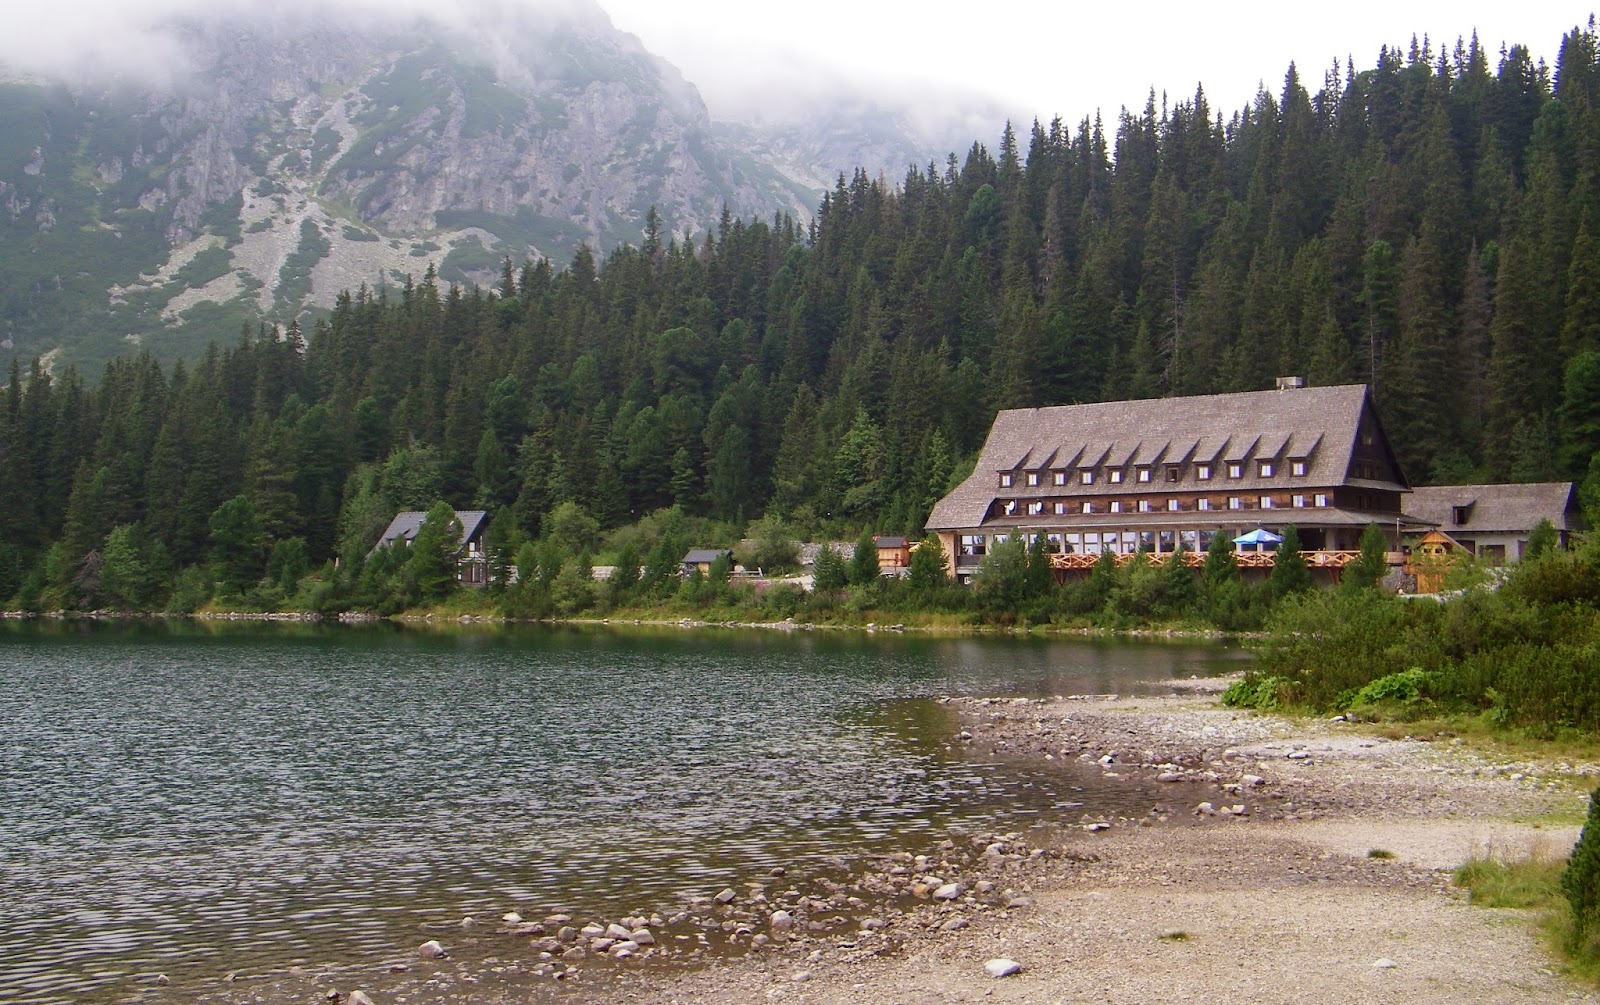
(1082, 561)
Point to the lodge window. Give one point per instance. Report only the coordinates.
(1116, 505)
(1203, 505)
(1005, 479)
(1173, 506)
(1144, 505)
(1173, 472)
(1086, 477)
(1052, 544)
(1144, 474)
(1266, 502)
(1011, 507)
(1234, 502)
(1299, 501)
(1264, 469)
(972, 544)
(1235, 470)
(1114, 476)
(1088, 507)
(1061, 478)
(1203, 472)
(1035, 508)
(1297, 468)
(1321, 499)
(1061, 508)
(1033, 478)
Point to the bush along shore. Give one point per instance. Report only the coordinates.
(554, 577)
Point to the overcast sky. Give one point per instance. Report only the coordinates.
(1032, 58)
(1064, 57)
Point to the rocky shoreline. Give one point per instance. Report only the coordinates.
(1279, 861)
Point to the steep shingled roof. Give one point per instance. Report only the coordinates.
(405, 525)
(1491, 509)
(1318, 424)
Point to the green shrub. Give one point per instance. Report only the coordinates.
(1580, 880)
(1255, 691)
(1402, 694)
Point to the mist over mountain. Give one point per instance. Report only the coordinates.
(217, 166)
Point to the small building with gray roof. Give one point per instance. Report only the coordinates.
(1494, 521)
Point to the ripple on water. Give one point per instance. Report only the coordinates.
(211, 801)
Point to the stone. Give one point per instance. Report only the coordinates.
(567, 934)
(953, 925)
(800, 976)
(592, 931)
(1097, 827)
(511, 918)
(1384, 964)
(575, 953)
(781, 922)
(1205, 810)
(1170, 776)
(1298, 755)
(1002, 968)
(602, 944)
(431, 950)
(616, 931)
(949, 891)
(726, 896)
(358, 998)
(642, 936)
(1252, 780)
(162, 980)
(623, 950)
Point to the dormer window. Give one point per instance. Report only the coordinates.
(1297, 469)
(1033, 478)
(1264, 469)
(1144, 473)
(1460, 514)
(1174, 472)
(1005, 479)
(1114, 476)
(1086, 476)
(1061, 478)
(1235, 469)
(1203, 472)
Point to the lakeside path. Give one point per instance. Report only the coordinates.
(1280, 903)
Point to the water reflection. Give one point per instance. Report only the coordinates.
(203, 799)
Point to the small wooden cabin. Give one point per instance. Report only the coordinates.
(894, 553)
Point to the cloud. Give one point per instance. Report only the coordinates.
(100, 41)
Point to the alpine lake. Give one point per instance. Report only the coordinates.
(195, 798)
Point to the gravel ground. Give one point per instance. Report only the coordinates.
(1248, 880)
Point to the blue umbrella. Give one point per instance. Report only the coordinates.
(1258, 537)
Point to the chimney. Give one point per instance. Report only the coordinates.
(1291, 383)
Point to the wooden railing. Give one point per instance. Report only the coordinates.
(1083, 561)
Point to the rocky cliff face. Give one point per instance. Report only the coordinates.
(294, 157)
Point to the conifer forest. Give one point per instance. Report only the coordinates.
(1428, 224)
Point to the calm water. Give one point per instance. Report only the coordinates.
(197, 800)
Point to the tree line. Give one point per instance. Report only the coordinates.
(1427, 224)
